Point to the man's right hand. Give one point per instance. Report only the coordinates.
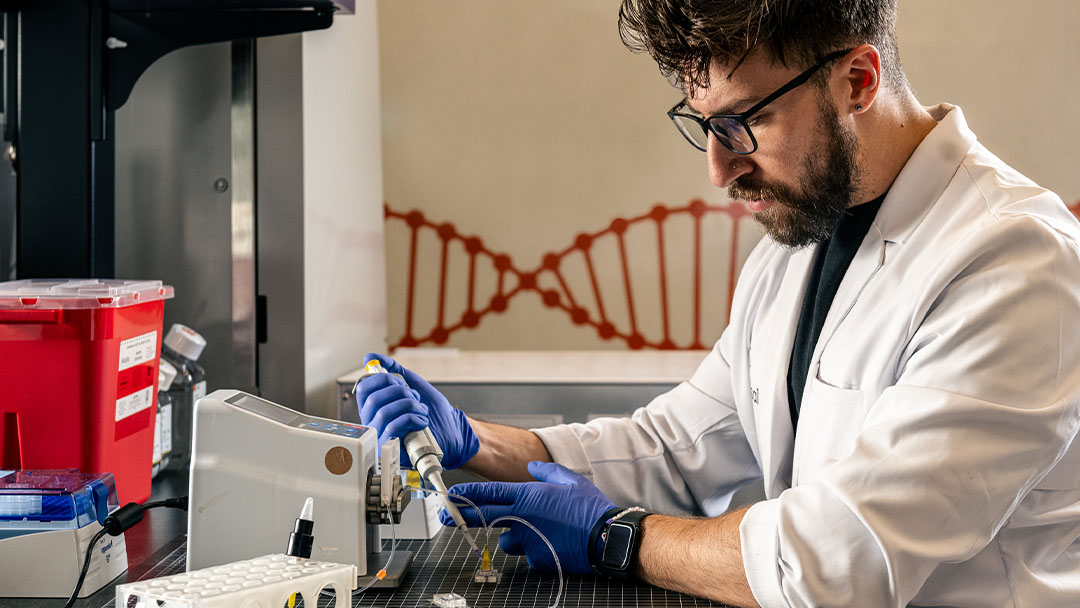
(396, 407)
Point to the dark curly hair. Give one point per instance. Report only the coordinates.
(684, 36)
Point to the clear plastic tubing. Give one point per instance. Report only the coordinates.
(558, 566)
(483, 522)
(374, 579)
(487, 533)
(393, 547)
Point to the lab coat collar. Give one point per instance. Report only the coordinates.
(926, 174)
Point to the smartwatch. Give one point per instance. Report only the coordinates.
(621, 537)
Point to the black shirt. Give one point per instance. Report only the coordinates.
(833, 257)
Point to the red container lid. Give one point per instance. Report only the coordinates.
(71, 294)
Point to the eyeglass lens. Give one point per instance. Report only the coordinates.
(733, 134)
(729, 131)
(692, 130)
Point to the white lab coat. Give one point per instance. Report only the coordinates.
(933, 464)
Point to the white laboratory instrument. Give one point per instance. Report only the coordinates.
(254, 461)
(47, 518)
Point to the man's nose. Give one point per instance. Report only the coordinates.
(724, 165)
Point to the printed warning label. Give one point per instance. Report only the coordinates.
(134, 403)
(139, 349)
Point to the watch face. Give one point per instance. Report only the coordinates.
(620, 537)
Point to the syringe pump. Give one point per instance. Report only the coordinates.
(253, 462)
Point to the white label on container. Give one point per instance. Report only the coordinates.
(157, 438)
(166, 429)
(139, 349)
(134, 403)
(199, 390)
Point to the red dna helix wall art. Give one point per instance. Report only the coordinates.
(692, 255)
(592, 281)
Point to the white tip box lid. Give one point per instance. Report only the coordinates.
(51, 294)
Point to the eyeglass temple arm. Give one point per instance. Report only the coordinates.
(797, 81)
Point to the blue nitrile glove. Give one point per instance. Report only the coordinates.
(395, 409)
(562, 504)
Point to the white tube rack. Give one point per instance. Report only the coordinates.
(262, 582)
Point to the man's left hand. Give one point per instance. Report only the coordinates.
(562, 504)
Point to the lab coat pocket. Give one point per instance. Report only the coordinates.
(829, 421)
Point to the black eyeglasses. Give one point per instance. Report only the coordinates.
(732, 130)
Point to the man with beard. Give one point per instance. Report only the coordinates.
(897, 368)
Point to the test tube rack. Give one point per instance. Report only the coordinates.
(263, 582)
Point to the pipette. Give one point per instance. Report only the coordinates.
(426, 456)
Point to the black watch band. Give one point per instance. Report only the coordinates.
(620, 539)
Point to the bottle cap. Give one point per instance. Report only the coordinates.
(301, 539)
(166, 375)
(185, 341)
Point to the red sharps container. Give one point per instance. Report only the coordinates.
(78, 377)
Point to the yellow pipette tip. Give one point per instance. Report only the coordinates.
(485, 562)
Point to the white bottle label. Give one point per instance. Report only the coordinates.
(157, 437)
(200, 390)
(166, 429)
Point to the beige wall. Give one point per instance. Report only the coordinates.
(526, 124)
(1014, 67)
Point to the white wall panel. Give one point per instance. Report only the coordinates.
(345, 286)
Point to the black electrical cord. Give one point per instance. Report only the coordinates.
(115, 524)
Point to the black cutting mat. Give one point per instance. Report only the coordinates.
(445, 564)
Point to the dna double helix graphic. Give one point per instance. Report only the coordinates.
(589, 278)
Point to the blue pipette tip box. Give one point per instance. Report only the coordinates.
(41, 500)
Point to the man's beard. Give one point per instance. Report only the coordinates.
(811, 214)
